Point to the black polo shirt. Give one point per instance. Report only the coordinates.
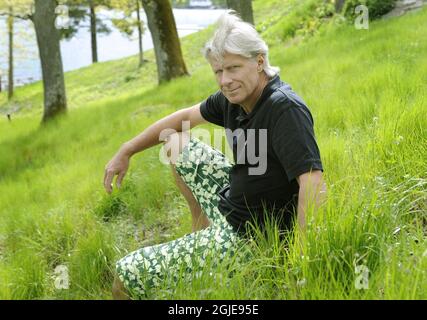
(279, 131)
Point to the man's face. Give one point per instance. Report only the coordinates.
(238, 78)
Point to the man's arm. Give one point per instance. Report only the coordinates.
(119, 164)
(312, 192)
(150, 136)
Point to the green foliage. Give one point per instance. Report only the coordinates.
(78, 13)
(111, 207)
(377, 8)
(27, 276)
(298, 18)
(92, 263)
(116, 204)
(127, 24)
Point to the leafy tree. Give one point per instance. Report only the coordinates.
(79, 12)
(128, 24)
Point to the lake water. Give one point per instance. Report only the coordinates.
(76, 52)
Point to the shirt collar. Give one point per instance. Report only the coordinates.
(272, 85)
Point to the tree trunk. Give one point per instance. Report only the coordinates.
(93, 32)
(141, 52)
(339, 4)
(47, 35)
(161, 22)
(243, 8)
(10, 73)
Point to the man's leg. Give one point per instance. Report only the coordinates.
(178, 141)
(212, 175)
(162, 265)
(199, 219)
(119, 291)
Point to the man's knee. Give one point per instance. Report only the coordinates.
(174, 145)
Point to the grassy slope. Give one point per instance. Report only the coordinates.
(367, 91)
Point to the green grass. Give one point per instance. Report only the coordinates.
(367, 92)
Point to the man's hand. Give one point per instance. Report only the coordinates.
(118, 165)
(312, 193)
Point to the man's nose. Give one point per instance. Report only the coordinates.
(225, 79)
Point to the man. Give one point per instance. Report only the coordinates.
(260, 113)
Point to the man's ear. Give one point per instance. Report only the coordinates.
(260, 62)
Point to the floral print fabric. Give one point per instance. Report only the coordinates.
(205, 171)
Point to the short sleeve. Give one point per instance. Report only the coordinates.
(213, 108)
(294, 142)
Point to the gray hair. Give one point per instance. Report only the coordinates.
(237, 37)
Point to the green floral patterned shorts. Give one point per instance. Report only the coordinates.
(205, 171)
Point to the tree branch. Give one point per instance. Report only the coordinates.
(24, 17)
